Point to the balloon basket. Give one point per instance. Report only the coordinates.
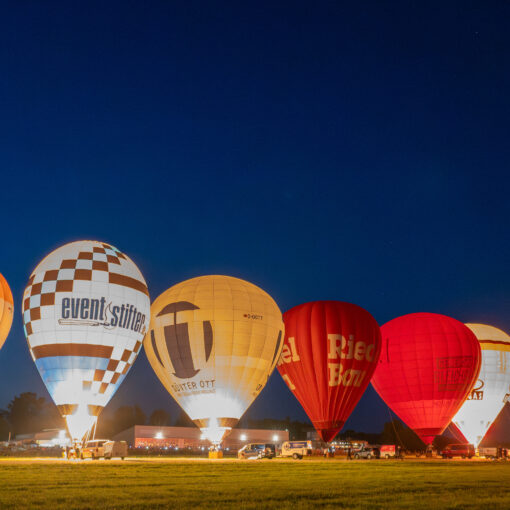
(216, 454)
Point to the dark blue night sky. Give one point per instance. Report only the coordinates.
(356, 151)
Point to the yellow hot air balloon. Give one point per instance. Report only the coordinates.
(213, 341)
(6, 310)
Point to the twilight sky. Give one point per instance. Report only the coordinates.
(326, 150)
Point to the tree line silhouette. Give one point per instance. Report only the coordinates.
(28, 413)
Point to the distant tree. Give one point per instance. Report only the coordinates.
(5, 426)
(140, 418)
(352, 435)
(184, 420)
(126, 417)
(28, 413)
(396, 432)
(159, 418)
(296, 429)
(105, 427)
(441, 441)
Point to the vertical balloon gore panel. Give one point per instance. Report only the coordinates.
(6, 310)
(330, 352)
(86, 309)
(213, 343)
(428, 365)
(492, 388)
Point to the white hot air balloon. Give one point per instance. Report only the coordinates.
(213, 342)
(86, 309)
(492, 388)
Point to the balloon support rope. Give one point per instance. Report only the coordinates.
(394, 429)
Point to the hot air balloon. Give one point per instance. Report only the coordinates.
(427, 367)
(492, 388)
(213, 342)
(329, 355)
(6, 310)
(85, 310)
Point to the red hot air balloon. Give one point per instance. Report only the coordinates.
(328, 357)
(428, 364)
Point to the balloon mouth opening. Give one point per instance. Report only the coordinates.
(80, 422)
(327, 430)
(328, 435)
(215, 429)
(215, 434)
(428, 435)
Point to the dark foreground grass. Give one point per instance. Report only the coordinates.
(255, 484)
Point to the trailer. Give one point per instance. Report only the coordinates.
(492, 453)
(389, 451)
(296, 449)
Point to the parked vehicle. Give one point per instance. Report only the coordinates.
(458, 450)
(257, 451)
(93, 449)
(389, 451)
(492, 453)
(115, 449)
(367, 452)
(99, 448)
(296, 449)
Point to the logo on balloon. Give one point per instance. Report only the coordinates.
(97, 312)
(253, 316)
(452, 372)
(177, 340)
(476, 392)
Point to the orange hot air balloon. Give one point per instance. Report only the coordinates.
(330, 352)
(6, 309)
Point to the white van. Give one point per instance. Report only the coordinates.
(296, 449)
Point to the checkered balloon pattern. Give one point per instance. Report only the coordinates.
(85, 309)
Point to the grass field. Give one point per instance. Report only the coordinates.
(326, 483)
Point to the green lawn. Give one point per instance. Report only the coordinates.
(255, 484)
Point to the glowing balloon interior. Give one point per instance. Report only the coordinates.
(85, 311)
(213, 343)
(427, 367)
(492, 388)
(6, 310)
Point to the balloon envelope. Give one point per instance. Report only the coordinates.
(492, 388)
(329, 355)
(85, 311)
(6, 310)
(213, 343)
(427, 367)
